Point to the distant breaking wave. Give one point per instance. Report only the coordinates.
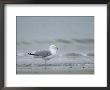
(79, 54)
(23, 43)
(75, 54)
(90, 54)
(84, 40)
(63, 41)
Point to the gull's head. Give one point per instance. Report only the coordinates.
(53, 47)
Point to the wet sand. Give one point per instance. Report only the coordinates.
(56, 65)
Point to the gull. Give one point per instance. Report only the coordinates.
(46, 54)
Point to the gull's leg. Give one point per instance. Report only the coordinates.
(32, 65)
(45, 64)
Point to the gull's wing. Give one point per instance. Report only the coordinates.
(43, 53)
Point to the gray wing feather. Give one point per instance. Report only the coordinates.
(44, 53)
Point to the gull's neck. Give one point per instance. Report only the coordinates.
(53, 51)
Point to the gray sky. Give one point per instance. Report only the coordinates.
(48, 28)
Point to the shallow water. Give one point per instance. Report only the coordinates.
(73, 57)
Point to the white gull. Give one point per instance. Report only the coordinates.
(45, 54)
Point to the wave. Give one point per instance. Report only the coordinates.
(75, 54)
(23, 43)
(42, 42)
(20, 54)
(90, 54)
(84, 40)
(63, 41)
(79, 54)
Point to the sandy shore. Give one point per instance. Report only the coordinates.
(56, 68)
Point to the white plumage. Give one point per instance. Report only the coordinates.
(45, 54)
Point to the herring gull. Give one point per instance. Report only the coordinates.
(45, 54)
